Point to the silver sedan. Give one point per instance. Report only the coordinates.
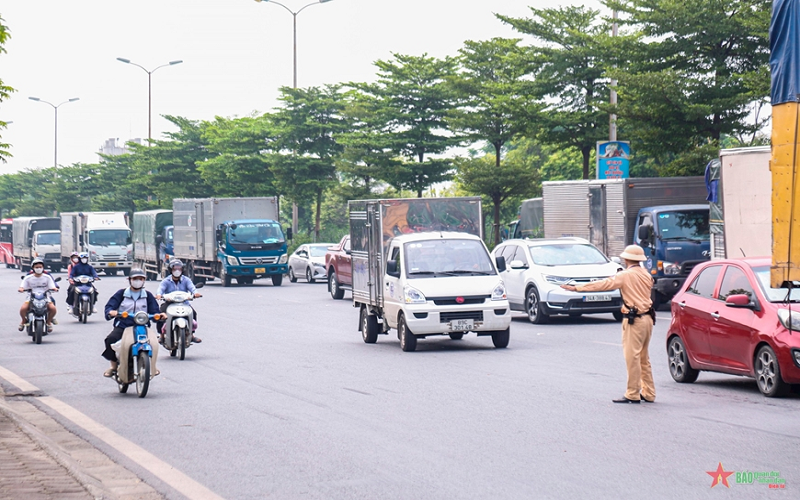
(308, 261)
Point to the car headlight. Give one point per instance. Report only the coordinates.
(413, 296)
(284, 259)
(233, 261)
(317, 264)
(669, 268)
(556, 280)
(499, 292)
(784, 315)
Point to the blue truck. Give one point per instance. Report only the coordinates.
(230, 238)
(667, 216)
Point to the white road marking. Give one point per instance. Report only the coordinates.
(162, 470)
(606, 343)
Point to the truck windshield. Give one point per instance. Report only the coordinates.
(683, 225)
(258, 233)
(110, 237)
(566, 254)
(776, 294)
(48, 239)
(169, 236)
(447, 258)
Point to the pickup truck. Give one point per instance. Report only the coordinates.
(340, 269)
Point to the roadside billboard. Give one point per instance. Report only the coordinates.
(613, 159)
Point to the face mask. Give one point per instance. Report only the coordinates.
(38, 270)
(75, 260)
(137, 284)
(177, 273)
(85, 261)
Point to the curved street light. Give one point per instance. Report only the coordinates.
(295, 215)
(55, 108)
(150, 90)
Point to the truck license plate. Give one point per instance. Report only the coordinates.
(597, 298)
(261, 270)
(112, 264)
(461, 325)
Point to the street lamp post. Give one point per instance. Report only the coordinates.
(55, 108)
(149, 92)
(294, 14)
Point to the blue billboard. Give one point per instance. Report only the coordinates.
(613, 159)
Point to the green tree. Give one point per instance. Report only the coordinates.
(414, 101)
(494, 103)
(5, 90)
(567, 64)
(305, 146)
(697, 72)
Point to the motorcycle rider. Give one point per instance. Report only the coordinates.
(37, 282)
(74, 258)
(81, 268)
(176, 281)
(131, 300)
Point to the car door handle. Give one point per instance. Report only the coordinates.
(715, 315)
(682, 304)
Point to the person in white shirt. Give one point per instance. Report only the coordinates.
(37, 282)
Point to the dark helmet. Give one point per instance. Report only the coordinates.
(175, 263)
(137, 273)
(37, 260)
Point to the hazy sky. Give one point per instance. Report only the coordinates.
(236, 54)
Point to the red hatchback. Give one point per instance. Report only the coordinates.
(728, 319)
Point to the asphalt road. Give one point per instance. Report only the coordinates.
(284, 400)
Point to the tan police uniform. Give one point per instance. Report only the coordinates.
(635, 285)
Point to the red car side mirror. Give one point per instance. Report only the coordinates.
(738, 301)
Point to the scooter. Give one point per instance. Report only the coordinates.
(37, 315)
(83, 304)
(176, 332)
(138, 356)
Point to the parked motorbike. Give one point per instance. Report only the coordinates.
(83, 305)
(37, 315)
(180, 324)
(138, 356)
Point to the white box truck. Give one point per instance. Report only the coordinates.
(37, 237)
(104, 236)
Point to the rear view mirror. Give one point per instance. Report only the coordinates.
(57, 280)
(289, 233)
(645, 233)
(219, 235)
(517, 264)
(391, 268)
(159, 239)
(739, 301)
(616, 260)
(200, 284)
(501, 263)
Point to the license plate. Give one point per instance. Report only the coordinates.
(597, 298)
(461, 325)
(261, 270)
(112, 264)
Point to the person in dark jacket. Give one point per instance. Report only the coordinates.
(131, 300)
(81, 268)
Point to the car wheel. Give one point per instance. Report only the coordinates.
(658, 299)
(292, 277)
(679, 367)
(309, 275)
(500, 338)
(533, 306)
(408, 342)
(456, 336)
(369, 326)
(333, 284)
(768, 374)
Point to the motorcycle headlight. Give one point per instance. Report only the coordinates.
(233, 261)
(556, 280)
(499, 292)
(786, 317)
(669, 268)
(413, 296)
(284, 259)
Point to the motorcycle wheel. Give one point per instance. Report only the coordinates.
(38, 331)
(142, 373)
(83, 315)
(123, 388)
(182, 341)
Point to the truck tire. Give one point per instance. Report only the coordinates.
(277, 279)
(369, 326)
(126, 272)
(408, 341)
(224, 277)
(333, 286)
(500, 338)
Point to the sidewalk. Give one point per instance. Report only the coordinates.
(40, 459)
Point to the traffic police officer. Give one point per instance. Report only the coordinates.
(635, 284)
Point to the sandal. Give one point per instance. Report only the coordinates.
(22, 326)
(110, 372)
(50, 328)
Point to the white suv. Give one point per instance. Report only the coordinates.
(536, 269)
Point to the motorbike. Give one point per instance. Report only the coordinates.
(177, 334)
(83, 304)
(37, 314)
(138, 356)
